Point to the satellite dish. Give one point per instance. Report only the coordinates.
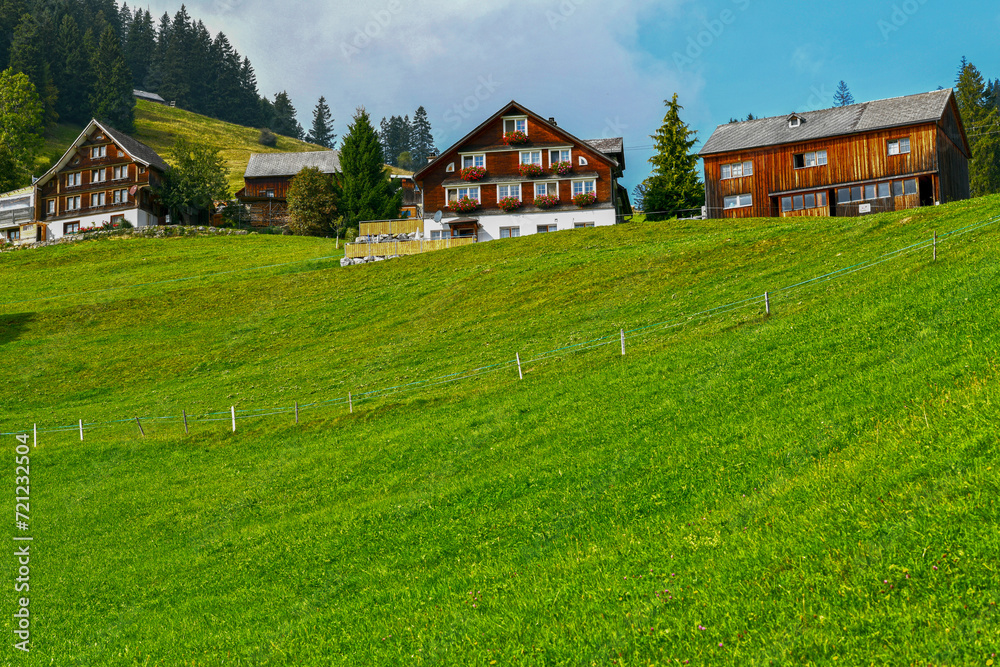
(438, 216)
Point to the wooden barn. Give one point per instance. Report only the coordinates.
(268, 177)
(885, 155)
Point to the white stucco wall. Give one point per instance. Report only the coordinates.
(528, 222)
(136, 217)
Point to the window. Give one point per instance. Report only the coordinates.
(899, 146)
(583, 187)
(583, 161)
(98, 175)
(544, 189)
(870, 191)
(737, 170)
(97, 199)
(71, 227)
(910, 186)
(515, 125)
(510, 232)
(559, 155)
(120, 172)
(794, 121)
(73, 180)
(508, 191)
(812, 159)
(474, 161)
(546, 228)
(117, 219)
(804, 201)
(121, 196)
(810, 201)
(50, 206)
(98, 152)
(13, 234)
(582, 225)
(531, 157)
(786, 204)
(450, 168)
(440, 235)
(883, 190)
(269, 192)
(454, 194)
(73, 203)
(739, 201)
(797, 204)
(856, 193)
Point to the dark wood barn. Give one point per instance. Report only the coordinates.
(877, 156)
(268, 177)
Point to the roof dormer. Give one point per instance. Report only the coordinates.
(795, 120)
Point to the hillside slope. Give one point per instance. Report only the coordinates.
(815, 487)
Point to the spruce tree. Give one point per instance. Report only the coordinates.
(421, 139)
(111, 99)
(284, 121)
(176, 84)
(367, 190)
(674, 184)
(140, 46)
(73, 74)
(843, 97)
(321, 132)
(982, 126)
(30, 54)
(395, 138)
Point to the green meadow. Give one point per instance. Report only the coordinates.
(814, 487)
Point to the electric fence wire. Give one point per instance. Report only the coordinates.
(543, 356)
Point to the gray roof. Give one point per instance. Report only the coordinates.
(613, 145)
(838, 121)
(142, 94)
(136, 149)
(289, 164)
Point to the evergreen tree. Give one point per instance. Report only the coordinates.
(201, 70)
(140, 46)
(283, 121)
(175, 84)
(29, 54)
(674, 184)
(421, 139)
(223, 95)
(982, 125)
(321, 132)
(367, 191)
(313, 204)
(251, 110)
(72, 73)
(111, 99)
(11, 12)
(21, 125)
(154, 79)
(394, 136)
(842, 97)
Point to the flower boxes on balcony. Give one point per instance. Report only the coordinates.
(473, 173)
(514, 138)
(546, 201)
(531, 170)
(585, 199)
(510, 204)
(464, 205)
(562, 168)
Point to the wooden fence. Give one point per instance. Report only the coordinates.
(404, 226)
(356, 250)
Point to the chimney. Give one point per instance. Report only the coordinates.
(431, 158)
(552, 121)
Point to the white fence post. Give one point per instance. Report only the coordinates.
(767, 304)
(232, 411)
(520, 375)
(623, 342)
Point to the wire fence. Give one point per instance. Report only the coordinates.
(350, 400)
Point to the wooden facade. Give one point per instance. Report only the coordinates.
(856, 168)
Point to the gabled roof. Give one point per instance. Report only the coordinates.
(504, 111)
(289, 164)
(137, 150)
(152, 97)
(838, 121)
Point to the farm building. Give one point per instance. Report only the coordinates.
(877, 156)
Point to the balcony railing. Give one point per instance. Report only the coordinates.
(391, 248)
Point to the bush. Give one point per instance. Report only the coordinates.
(350, 234)
(267, 138)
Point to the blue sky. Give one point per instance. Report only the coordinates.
(600, 67)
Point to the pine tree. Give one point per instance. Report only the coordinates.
(140, 46)
(154, 78)
(674, 184)
(395, 138)
(982, 126)
(321, 132)
(284, 121)
(251, 111)
(843, 97)
(73, 75)
(421, 139)
(367, 191)
(175, 85)
(224, 92)
(11, 12)
(111, 99)
(29, 54)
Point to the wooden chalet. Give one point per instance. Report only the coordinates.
(105, 176)
(268, 177)
(877, 156)
(518, 173)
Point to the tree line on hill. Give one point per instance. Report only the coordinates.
(407, 144)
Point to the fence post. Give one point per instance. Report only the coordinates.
(767, 304)
(296, 412)
(184, 412)
(935, 246)
(34, 431)
(232, 410)
(81, 430)
(520, 375)
(350, 402)
(139, 424)
(623, 342)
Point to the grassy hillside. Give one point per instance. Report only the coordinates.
(815, 487)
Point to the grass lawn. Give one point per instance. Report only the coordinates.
(817, 487)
